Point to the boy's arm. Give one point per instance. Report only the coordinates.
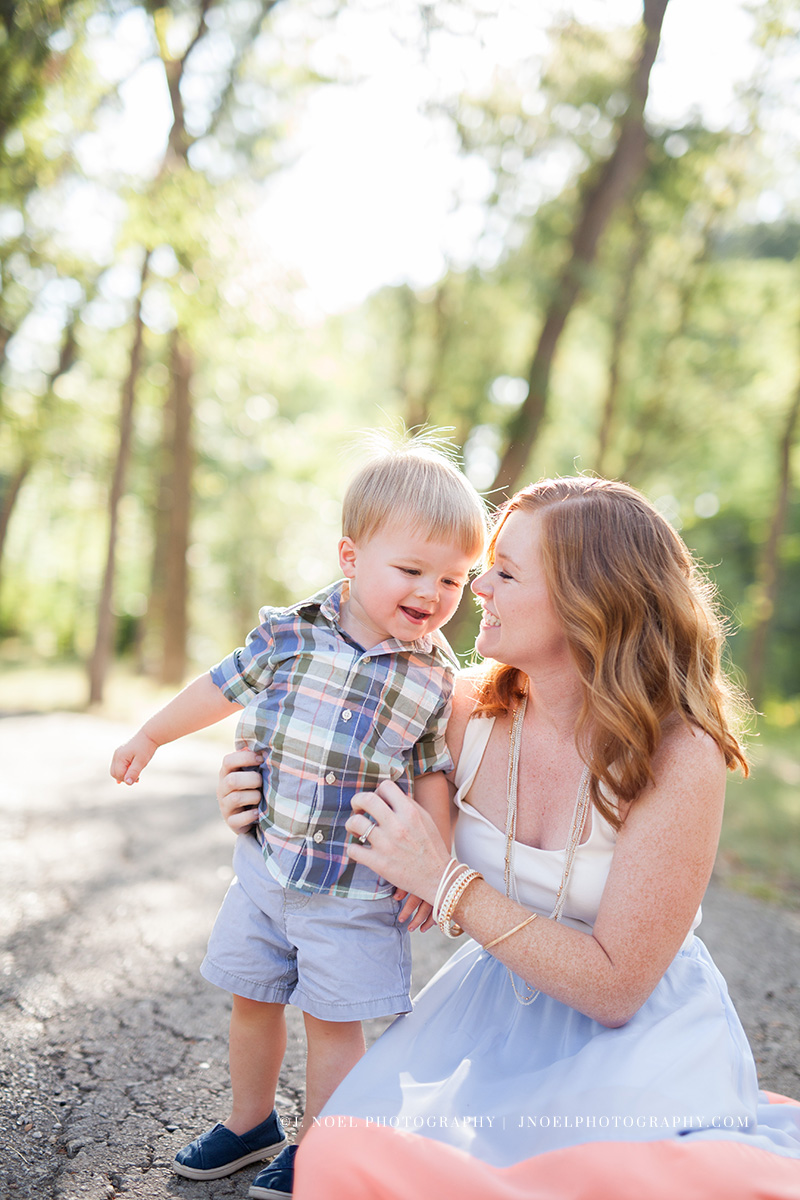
(201, 703)
(432, 792)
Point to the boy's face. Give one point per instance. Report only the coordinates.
(402, 584)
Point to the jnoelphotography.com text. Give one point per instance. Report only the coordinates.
(614, 1121)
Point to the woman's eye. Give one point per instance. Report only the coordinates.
(505, 575)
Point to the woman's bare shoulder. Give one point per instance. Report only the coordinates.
(469, 684)
(687, 784)
(686, 747)
(465, 696)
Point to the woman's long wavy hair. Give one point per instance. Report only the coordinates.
(642, 624)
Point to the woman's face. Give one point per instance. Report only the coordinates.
(519, 626)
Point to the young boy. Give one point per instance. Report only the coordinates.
(341, 691)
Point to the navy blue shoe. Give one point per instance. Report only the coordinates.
(220, 1152)
(275, 1182)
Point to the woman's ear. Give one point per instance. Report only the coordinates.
(347, 557)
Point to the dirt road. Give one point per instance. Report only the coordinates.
(113, 1049)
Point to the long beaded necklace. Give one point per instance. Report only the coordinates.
(582, 801)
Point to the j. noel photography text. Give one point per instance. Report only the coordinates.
(675, 1123)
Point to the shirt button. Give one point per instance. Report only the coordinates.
(330, 777)
(346, 715)
(319, 836)
(366, 658)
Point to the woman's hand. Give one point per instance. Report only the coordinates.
(239, 789)
(403, 844)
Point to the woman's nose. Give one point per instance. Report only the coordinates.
(478, 586)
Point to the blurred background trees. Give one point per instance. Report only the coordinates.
(617, 293)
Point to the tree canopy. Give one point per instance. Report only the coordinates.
(178, 415)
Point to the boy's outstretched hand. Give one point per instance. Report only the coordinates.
(130, 760)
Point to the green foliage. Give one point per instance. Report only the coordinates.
(708, 351)
(26, 56)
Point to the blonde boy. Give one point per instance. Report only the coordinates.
(340, 691)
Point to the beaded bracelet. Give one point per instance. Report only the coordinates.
(448, 875)
(446, 922)
(508, 933)
(454, 890)
(450, 902)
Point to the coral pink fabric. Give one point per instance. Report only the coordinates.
(353, 1161)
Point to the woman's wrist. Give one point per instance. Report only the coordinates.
(453, 869)
(456, 878)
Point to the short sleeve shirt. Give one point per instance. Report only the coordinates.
(334, 719)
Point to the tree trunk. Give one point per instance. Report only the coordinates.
(101, 656)
(176, 571)
(150, 640)
(616, 178)
(769, 569)
(6, 335)
(650, 424)
(10, 498)
(167, 619)
(420, 405)
(30, 450)
(619, 329)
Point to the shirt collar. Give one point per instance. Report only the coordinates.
(329, 602)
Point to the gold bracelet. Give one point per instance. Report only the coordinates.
(509, 932)
(451, 900)
(450, 903)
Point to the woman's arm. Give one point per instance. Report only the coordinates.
(661, 867)
(239, 786)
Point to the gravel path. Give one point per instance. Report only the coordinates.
(113, 1050)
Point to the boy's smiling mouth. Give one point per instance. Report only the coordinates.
(414, 614)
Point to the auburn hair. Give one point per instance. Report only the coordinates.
(642, 624)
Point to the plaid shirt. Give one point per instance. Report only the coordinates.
(335, 719)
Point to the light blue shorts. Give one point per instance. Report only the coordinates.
(336, 958)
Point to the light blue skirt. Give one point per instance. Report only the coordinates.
(474, 1068)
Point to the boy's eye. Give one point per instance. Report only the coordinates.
(453, 583)
(410, 571)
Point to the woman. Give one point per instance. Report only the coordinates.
(583, 1022)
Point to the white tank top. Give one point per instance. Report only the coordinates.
(538, 872)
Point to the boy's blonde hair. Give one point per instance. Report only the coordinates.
(413, 478)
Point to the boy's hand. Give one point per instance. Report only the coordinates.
(423, 919)
(130, 760)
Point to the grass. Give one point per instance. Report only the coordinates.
(760, 844)
(759, 849)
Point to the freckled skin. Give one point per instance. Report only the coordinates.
(665, 849)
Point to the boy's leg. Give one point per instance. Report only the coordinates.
(334, 1048)
(256, 1049)
(252, 1132)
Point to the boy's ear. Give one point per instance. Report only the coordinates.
(347, 557)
